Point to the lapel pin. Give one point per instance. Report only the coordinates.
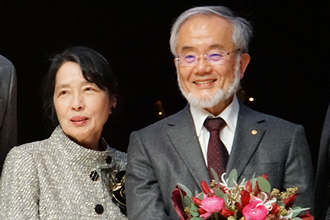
(254, 132)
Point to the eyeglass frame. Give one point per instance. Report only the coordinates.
(206, 56)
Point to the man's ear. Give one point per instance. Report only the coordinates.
(245, 60)
(176, 63)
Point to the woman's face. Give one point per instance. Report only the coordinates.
(82, 107)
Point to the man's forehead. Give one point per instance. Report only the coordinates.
(203, 25)
(211, 30)
(210, 47)
(204, 19)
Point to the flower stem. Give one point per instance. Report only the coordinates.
(216, 216)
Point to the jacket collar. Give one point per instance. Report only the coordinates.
(183, 136)
(250, 129)
(79, 154)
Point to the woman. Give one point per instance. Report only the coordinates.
(70, 174)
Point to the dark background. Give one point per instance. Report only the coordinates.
(288, 75)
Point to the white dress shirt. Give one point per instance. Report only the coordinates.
(229, 115)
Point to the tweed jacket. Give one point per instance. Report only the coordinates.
(168, 152)
(59, 179)
(8, 108)
(322, 184)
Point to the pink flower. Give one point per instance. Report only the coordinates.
(255, 211)
(211, 205)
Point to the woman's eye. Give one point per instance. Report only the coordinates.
(90, 89)
(63, 92)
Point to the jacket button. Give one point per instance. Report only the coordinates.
(94, 175)
(99, 209)
(108, 160)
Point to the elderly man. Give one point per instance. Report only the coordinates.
(8, 118)
(210, 46)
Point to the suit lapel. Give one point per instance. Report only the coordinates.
(184, 139)
(249, 132)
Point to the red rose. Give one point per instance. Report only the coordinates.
(255, 211)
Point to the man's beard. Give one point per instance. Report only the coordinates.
(209, 101)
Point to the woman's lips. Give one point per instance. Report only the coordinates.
(79, 120)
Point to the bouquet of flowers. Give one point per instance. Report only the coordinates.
(248, 200)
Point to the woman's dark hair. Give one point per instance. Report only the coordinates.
(95, 68)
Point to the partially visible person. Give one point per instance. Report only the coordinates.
(210, 48)
(322, 183)
(70, 174)
(8, 108)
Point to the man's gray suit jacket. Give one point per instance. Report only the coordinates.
(8, 108)
(168, 152)
(322, 183)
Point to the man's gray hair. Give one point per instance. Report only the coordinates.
(242, 30)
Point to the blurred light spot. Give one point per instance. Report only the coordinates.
(251, 99)
(160, 113)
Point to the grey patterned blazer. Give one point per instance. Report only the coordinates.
(168, 152)
(8, 108)
(59, 179)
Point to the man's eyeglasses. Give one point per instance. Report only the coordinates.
(213, 58)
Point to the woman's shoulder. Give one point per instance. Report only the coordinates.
(120, 158)
(25, 151)
(118, 153)
(30, 147)
(21, 161)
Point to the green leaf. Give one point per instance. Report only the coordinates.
(201, 196)
(187, 201)
(296, 218)
(232, 179)
(219, 193)
(196, 193)
(225, 197)
(194, 207)
(297, 210)
(184, 188)
(196, 218)
(194, 210)
(263, 184)
(215, 175)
